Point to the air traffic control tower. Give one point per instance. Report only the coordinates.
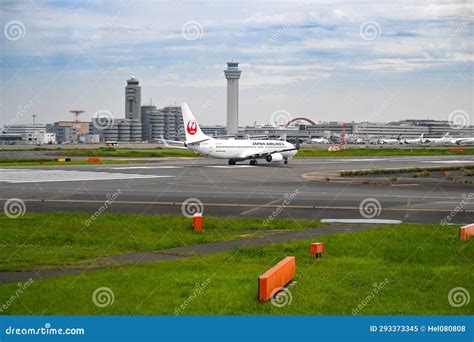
(232, 74)
(133, 100)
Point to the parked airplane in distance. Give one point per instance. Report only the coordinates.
(319, 141)
(419, 140)
(465, 141)
(391, 141)
(233, 149)
(444, 140)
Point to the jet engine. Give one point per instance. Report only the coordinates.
(275, 157)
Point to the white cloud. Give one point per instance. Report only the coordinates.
(279, 44)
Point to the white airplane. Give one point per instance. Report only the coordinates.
(319, 141)
(391, 141)
(444, 140)
(235, 150)
(415, 141)
(465, 141)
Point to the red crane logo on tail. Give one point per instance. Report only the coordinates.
(191, 127)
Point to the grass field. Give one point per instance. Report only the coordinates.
(125, 152)
(464, 168)
(59, 239)
(128, 153)
(303, 152)
(381, 151)
(413, 266)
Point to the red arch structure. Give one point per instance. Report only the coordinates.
(300, 119)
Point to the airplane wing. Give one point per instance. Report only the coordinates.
(463, 140)
(259, 155)
(175, 144)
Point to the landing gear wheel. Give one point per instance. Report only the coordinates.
(232, 162)
(253, 162)
(286, 161)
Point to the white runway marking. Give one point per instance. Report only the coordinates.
(377, 221)
(229, 166)
(147, 167)
(41, 176)
(449, 161)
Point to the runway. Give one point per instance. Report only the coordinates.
(161, 186)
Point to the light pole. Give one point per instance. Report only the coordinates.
(34, 128)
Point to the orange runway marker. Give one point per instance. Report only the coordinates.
(317, 249)
(198, 222)
(466, 232)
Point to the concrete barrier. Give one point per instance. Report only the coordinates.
(276, 277)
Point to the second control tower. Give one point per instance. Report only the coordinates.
(232, 74)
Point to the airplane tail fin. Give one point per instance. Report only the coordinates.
(191, 126)
(446, 135)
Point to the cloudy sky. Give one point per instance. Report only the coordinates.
(325, 60)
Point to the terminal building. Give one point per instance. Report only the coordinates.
(81, 126)
(214, 131)
(36, 134)
(65, 134)
(335, 130)
(381, 130)
(116, 130)
(438, 128)
(164, 123)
